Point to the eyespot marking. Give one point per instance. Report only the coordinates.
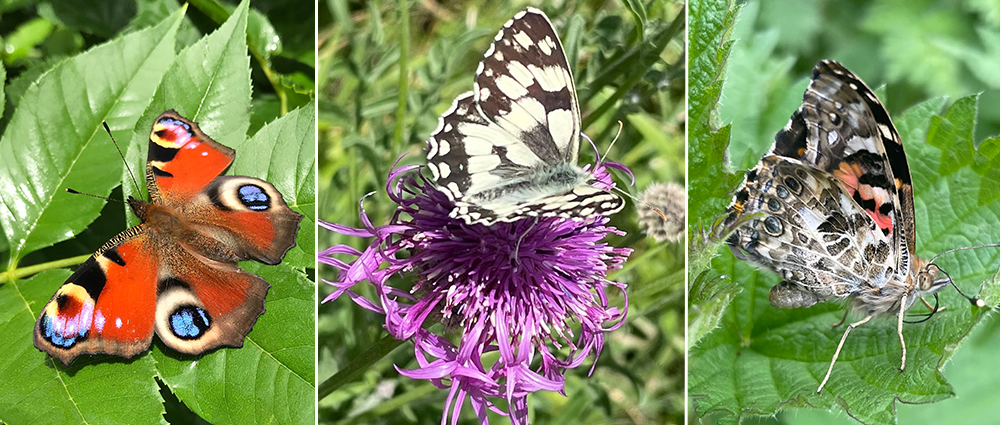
(254, 197)
(189, 322)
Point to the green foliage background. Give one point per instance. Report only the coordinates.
(245, 74)
(750, 359)
(628, 60)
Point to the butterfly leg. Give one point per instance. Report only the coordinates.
(840, 346)
(517, 248)
(899, 330)
(842, 319)
(933, 309)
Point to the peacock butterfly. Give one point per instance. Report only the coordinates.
(176, 272)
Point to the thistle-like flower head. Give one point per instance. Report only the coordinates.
(533, 291)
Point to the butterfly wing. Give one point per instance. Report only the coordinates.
(203, 303)
(106, 306)
(508, 149)
(182, 160)
(204, 300)
(525, 86)
(141, 281)
(247, 215)
(843, 129)
(802, 224)
(176, 273)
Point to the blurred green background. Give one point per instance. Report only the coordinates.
(628, 64)
(918, 50)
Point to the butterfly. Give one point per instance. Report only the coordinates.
(175, 273)
(508, 149)
(830, 208)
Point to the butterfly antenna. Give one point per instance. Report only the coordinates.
(975, 301)
(605, 156)
(926, 316)
(640, 202)
(77, 192)
(989, 245)
(134, 182)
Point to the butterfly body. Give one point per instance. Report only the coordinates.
(175, 273)
(508, 149)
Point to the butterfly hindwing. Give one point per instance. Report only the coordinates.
(248, 215)
(93, 312)
(805, 226)
(508, 149)
(203, 303)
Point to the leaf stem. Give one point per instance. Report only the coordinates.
(15, 274)
(404, 56)
(346, 375)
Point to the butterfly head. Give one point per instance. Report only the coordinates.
(931, 278)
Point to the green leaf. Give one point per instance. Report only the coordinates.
(707, 142)
(270, 379)
(914, 39)
(797, 22)
(755, 87)
(98, 17)
(710, 25)
(982, 61)
(990, 9)
(763, 359)
(55, 138)
(208, 82)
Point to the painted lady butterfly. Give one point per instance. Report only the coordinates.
(830, 208)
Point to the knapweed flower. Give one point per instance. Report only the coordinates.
(531, 295)
(666, 221)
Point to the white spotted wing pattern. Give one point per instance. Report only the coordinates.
(508, 149)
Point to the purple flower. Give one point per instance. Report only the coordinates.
(532, 290)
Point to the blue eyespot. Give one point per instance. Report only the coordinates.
(175, 122)
(58, 335)
(254, 197)
(189, 322)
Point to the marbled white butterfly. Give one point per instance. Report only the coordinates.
(508, 149)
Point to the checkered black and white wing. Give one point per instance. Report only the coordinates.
(508, 149)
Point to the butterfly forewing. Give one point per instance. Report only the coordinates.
(524, 84)
(508, 149)
(843, 129)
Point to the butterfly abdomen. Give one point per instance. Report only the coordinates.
(534, 184)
